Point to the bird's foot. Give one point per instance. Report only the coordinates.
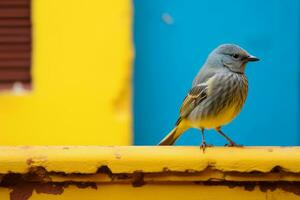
(232, 144)
(204, 145)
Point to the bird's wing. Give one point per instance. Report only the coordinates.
(204, 74)
(196, 95)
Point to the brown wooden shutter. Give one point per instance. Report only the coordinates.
(15, 43)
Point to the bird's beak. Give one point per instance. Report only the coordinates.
(252, 58)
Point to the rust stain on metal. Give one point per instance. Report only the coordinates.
(29, 161)
(265, 186)
(104, 169)
(22, 186)
(37, 174)
(49, 188)
(248, 186)
(120, 176)
(37, 159)
(83, 185)
(42, 177)
(138, 179)
(37, 179)
(22, 189)
(165, 169)
(21, 192)
(277, 169)
(291, 187)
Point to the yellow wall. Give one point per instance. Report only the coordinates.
(81, 77)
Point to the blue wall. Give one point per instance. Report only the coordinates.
(172, 39)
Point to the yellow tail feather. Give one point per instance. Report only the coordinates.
(171, 138)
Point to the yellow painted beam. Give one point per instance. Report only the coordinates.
(128, 159)
(128, 172)
(81, 69)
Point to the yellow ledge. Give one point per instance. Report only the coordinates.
(70, 172)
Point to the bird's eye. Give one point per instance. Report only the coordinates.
(235, 56)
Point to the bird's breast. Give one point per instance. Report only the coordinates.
(226, 98)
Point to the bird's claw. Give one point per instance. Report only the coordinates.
(204, 145)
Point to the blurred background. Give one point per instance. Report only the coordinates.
(96, 72)
(172, 40)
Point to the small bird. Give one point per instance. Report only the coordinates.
(217, 95)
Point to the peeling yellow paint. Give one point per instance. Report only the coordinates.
(187, 191)
(128, 159)
(74, 172)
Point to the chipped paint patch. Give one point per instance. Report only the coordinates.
(22, 189)
(138, 179)
(290, 187)
(22, 186)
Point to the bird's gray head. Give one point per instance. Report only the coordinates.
(231, 57)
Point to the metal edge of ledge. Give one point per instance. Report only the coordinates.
(149, 159)
(27, 171)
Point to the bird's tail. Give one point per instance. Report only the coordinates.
(171, 137)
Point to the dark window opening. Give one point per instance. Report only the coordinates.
(15, 43)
